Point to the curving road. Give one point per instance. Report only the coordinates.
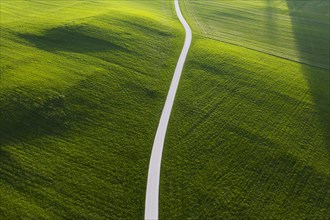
(152, 194)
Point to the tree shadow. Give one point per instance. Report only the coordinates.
(270, 22)
(79, 39)
(310, 26)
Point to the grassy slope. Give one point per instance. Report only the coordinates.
(249, 132)
(82, 88)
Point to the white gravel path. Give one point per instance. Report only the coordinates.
(152, 194)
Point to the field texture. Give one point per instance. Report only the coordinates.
(249, 133)
(293, 29)
(82, 88)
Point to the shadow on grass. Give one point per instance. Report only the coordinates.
(310, 25)
(79, 39)
(271, 23)
(25, 117)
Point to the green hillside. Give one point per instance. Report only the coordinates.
(83, 84)
(82, 88)
(249, 133)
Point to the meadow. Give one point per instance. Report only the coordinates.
(82, 88)
(249, 132)
(83, 84)
(292, 29)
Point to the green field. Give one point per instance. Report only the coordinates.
(82, 88)
(83, 84)
(292, 29)
(249, 133)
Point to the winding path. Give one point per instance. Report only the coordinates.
(152, 194)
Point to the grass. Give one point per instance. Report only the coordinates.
(83, 84)
(249, 132)
(292, 29)
(82, 88)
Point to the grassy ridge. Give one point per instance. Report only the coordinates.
(249, 132)
(292, 29)
(82, 88)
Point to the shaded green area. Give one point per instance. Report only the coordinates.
(249, 132)
(73, 39)
(82, 88)
(306, 17)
